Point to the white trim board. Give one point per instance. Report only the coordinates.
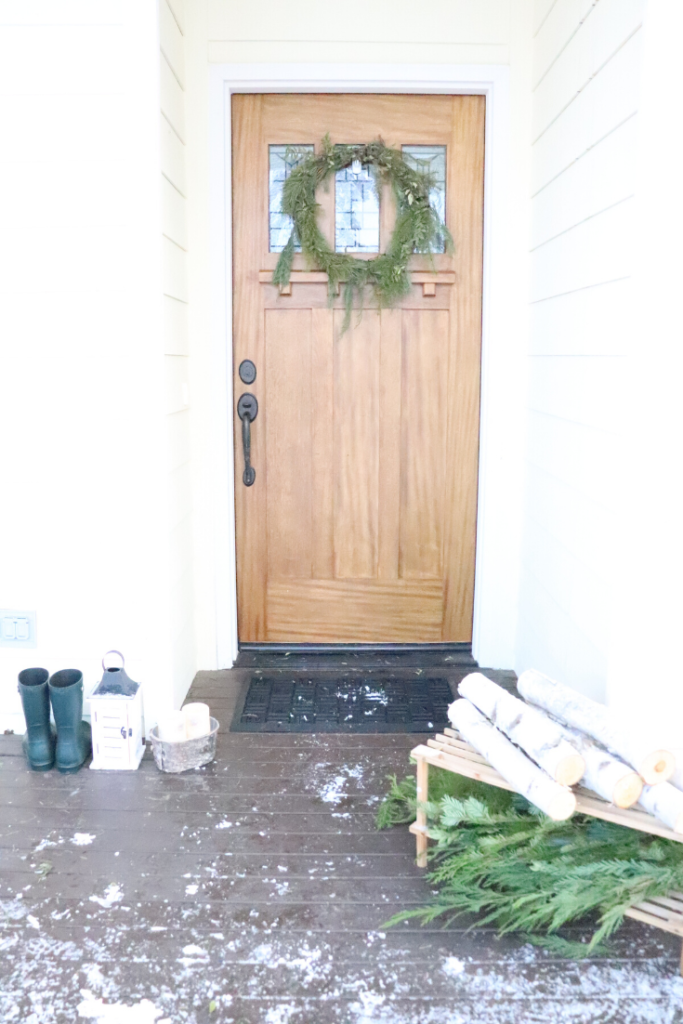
(500, 472)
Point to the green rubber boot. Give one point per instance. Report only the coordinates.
(74, 741)
(39, 741)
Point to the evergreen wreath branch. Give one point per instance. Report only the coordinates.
(418, 227)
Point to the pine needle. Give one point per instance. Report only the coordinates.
(499, 858)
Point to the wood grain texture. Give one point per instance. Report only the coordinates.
(389, 444)
(366, 445)
(249, 217)
(355, 611)
(288, 442)
(322, 442)
(356, 446)
(465, 213)
(424, 413)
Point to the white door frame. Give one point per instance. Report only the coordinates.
(498, 542)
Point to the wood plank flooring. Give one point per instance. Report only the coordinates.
(256, 890)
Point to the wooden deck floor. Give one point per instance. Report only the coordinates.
(255, 890)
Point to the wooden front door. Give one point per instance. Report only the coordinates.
(360, 524)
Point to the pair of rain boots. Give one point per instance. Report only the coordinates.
(72, 744)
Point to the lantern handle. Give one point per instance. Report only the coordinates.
(123, 660)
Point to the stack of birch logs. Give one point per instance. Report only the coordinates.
(556, 738)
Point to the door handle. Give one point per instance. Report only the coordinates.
(247, 410)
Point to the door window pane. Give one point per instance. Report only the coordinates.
(282, 161)
(431, 159)
(356, 217)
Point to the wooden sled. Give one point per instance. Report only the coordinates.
(449, 751)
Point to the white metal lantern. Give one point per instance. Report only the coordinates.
(116, 719)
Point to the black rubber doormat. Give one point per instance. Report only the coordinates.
(342, 705)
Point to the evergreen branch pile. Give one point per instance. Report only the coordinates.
(499, 857)
(418, 226)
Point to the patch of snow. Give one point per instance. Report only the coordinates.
(193, 954)
(191, 890)
(112, 894)
(281, 888)
(332, 791)
(452, 966)
(224, 824)
(144, 1012)
(82, 838)
(194, 951)
(367, 1007)
(43, 845)
(94, 976)
(281, 1014)
(33, 921)
(261, 954)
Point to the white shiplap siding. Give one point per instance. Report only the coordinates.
(176, 345)
(586, 69)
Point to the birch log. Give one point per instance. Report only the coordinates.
(541, 738)
(527, 778)
(605, 774)
(664, 802)
(586, 715)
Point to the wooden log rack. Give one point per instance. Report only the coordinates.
(449, 751)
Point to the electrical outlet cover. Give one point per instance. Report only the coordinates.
(18, 628)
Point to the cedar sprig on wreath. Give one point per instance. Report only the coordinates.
(418, 227)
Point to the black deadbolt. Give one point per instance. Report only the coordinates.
(247, 371)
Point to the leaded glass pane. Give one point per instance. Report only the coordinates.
(356, 218)
(431, 159)
(282, 161)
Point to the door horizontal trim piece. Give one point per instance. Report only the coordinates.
(320, 277)
(428, 279)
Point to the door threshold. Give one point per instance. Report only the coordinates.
(278, 648)
(354, 657)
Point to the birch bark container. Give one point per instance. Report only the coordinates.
(186, 754)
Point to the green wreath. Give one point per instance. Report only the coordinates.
(418, 226)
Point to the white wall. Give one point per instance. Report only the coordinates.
(645, 665)
(85, 413)
(174, 242)
(587, 57)
(362, 32)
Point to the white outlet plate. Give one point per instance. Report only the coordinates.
(18, 628)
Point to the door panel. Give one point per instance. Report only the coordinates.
(360, 526)
(356, 447)
(424, 414)
(355, 611)
(288, 425)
